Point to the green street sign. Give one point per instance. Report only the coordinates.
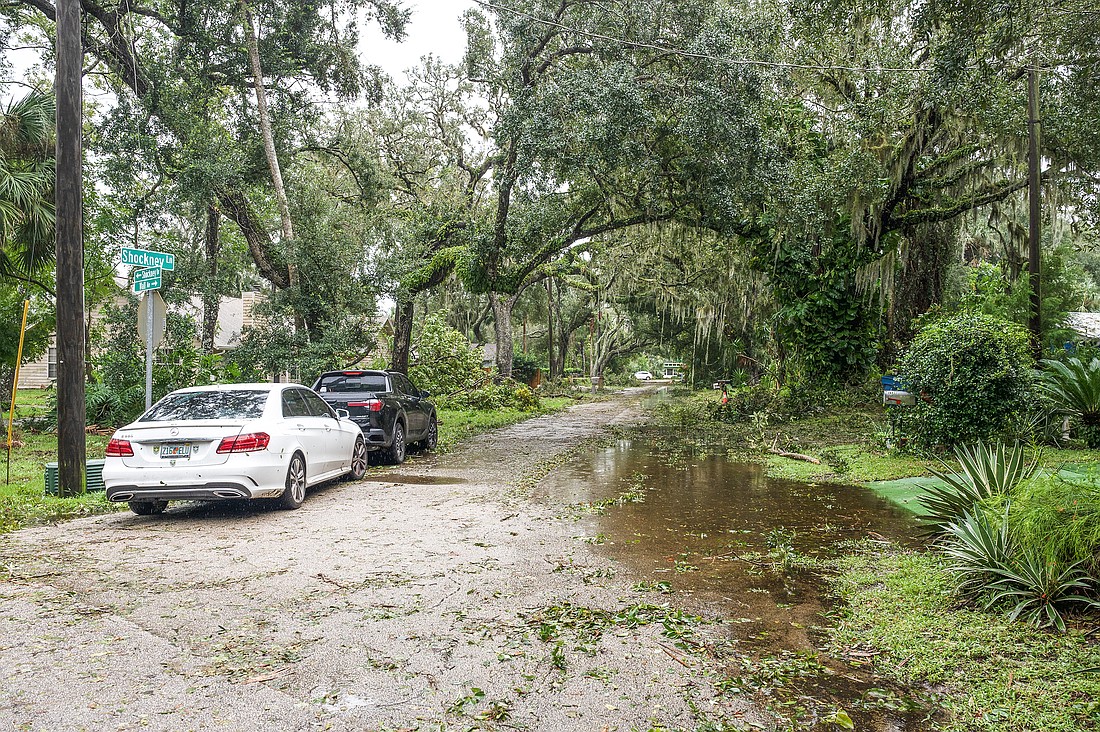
(147, 258)
(147, 279)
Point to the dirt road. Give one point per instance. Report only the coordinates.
(433, 596)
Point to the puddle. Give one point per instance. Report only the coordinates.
(716, 533)
(414, 479)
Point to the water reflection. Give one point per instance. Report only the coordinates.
(732, 543)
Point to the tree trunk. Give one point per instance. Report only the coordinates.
(237, 207)
(402, 334)
(502, 329)
(210, 299)
(931, 250)
(264, 119)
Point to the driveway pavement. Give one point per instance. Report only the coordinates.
(430, 596)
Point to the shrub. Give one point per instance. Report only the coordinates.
(1074, 389)
(1034, 561)
(977, 550)
(972, 375)
(491, 395)
(524, 367)
(1042, 589)
(743, 403)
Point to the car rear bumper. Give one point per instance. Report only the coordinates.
(209, 492)
(257, 475)
(375, 437)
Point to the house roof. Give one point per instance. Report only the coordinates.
(230, 320)
(1087, 325)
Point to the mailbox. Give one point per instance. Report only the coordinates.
(898, 398)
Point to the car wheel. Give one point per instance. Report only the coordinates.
(431, 440)
(358, 460)
(396, 451)
(148, 508)
(295, 491)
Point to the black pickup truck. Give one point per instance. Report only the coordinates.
(393, 414)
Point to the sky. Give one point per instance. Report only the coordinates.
(434, 29)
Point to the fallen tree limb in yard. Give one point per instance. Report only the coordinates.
(792, 455)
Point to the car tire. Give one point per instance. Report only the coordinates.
(148, 508)
(431, 439)
(295, 490)
(395, 453)
(358, 460)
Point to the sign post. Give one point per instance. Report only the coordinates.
(149, 348)
(148, 280)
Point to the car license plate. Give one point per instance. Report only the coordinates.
(175, 451)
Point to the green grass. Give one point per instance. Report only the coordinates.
(995, 676)
(456, 425)
(22, 495)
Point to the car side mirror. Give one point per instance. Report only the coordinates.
(424, 393)
(343, 414)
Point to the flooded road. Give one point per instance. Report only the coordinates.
(722, 540)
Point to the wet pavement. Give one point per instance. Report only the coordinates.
(720, 539)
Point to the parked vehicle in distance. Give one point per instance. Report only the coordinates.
(394, 415)
(231, 441)
(643, 375)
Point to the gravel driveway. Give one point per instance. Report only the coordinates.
(430, 596)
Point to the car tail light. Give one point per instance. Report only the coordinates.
(249, 442)
(372, 405)
(119, 448)
(352, 373)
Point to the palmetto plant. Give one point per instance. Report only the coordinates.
(987, 562)
(984, 471)
(978, 550)
(1041, 589)
(1074, 388)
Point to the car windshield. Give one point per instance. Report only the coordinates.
(352, 382)
(192, 405)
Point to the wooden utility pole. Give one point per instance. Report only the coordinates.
(71, 411)
(1034, 191)
(550, 328)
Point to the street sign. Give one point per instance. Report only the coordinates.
(147, 279)
(148, 258)
(159, 315)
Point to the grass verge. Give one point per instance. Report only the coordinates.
(989, 674)
(456, 425)
(22, 493)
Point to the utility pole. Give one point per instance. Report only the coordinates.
(550, 327)
(1034, 192)
(71, 411)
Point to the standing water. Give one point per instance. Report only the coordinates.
(724, 540)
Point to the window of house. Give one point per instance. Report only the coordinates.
(51, 364)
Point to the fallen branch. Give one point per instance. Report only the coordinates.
(673, 655)
(792, 455)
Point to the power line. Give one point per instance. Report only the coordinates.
(694, 54)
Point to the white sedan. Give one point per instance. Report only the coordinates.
(232, 441)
